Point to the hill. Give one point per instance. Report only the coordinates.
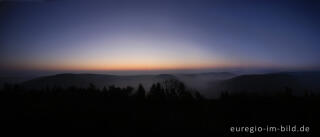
(99, 80)
(197, 81)
(298, 82)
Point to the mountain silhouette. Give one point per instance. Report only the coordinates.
(166, 108)
(99, 80)
(198, 81)
(208, 84)
(273, 83)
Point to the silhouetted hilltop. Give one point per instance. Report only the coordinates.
(198, 81)
(165, 109)
(13, 79)
(298, 82)
(100, 80)
(263, 83)
(203, 82)
(309, 80)
(209, 84)
(211, 74)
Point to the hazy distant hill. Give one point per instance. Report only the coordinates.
(310, 80)
(198, 81)
(204, 81)
(208, 84)
(13, 79)
(299, 82)
(99, 80)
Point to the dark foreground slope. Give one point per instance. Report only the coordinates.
(166, 109)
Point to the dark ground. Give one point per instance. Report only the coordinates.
(168, 109)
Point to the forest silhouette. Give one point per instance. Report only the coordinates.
(167, 108)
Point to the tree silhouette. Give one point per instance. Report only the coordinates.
(140, 93)
(168, 105)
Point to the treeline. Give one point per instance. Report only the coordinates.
(166, 90)
(166, 109)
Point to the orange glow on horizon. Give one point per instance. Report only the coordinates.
(134, 67)
(121, 67)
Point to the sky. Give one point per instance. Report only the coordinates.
(141, 35)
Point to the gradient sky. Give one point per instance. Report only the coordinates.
(73, 35)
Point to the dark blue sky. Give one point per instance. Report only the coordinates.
(70, 35)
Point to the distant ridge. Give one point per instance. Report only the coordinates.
(210, 84)
(65, 80)
(198, 81)
(298, 82)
